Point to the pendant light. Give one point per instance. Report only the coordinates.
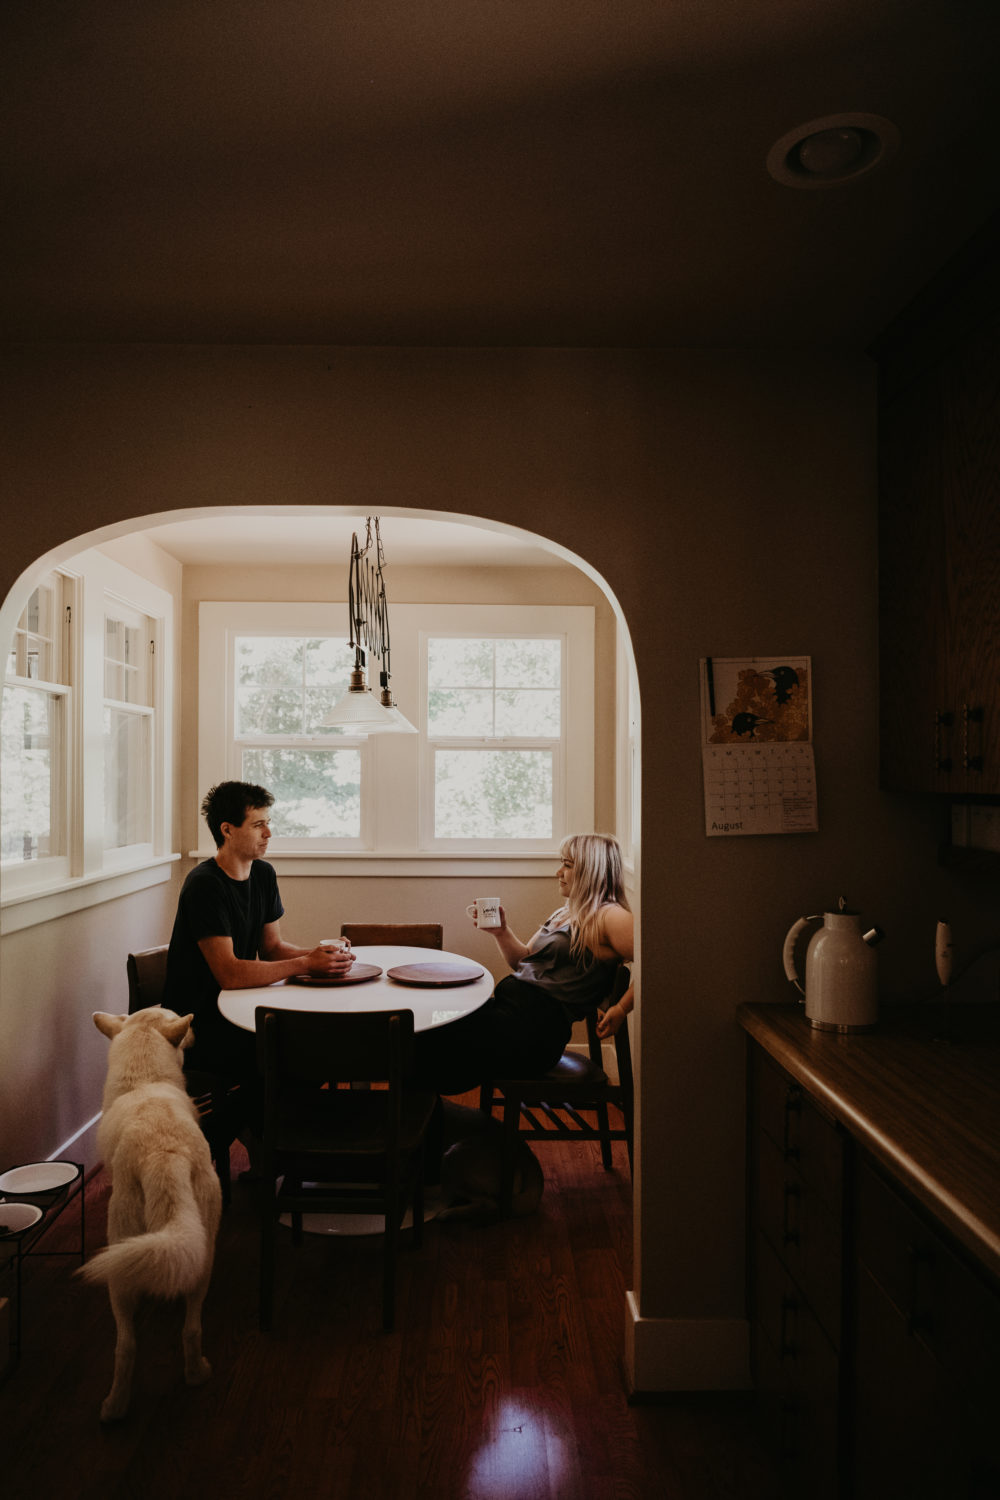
(360, 709)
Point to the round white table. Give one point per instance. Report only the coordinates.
(431, 1007)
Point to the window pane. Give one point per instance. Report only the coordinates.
(459, 662)
(460, 711)
(285, 685)
(127, 772)
(30, 732)
(317, 793)
(496, 687)
(493, 794)
(126, 659)
(32, 653)
(268, 686)
(528, 663)
(533, 712)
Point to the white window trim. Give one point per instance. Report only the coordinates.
(398, 763)
(90, 874)
(22, 881)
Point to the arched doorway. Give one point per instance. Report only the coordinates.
(237, 518)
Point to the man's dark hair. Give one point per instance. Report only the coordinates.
(229, 802)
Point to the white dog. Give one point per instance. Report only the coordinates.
(165, 1197)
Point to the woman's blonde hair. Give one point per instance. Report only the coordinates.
(598, 878)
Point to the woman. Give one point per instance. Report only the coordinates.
(564, 970)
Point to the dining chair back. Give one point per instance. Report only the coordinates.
(549, 1108)
(333, 1150)
(213, 1093)
(412, 934)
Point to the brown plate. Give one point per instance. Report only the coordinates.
(435, 976)
(354, 975)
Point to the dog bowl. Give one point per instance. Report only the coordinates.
(16, 1217)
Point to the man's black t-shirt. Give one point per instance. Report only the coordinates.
(213, 905)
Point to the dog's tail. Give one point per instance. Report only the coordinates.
(168, 1259)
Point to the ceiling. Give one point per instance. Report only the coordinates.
(274, 541)
(479, 172)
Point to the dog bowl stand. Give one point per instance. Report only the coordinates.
(17, 1246)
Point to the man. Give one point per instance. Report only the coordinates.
(226, 934)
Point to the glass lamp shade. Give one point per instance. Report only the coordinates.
(400, 723)
(359, 709)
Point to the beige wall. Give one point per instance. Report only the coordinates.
(727, 498)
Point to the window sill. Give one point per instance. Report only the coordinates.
(30, 908)
(363, 863)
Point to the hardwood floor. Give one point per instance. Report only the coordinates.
(503, 1378)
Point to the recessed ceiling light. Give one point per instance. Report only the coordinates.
(831, 151)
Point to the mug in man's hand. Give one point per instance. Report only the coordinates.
(485, 911)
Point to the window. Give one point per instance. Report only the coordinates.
(498, 694)
(129, 728)
(34, 735)
(494, 716)
(85, 759)
(282, 686)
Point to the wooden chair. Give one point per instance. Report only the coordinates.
(331, 1150)
(575, 1083)
(412, 934)
(212, 1092)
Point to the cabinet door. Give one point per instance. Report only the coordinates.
(939, 546)
(926, 1330)
(916, 734)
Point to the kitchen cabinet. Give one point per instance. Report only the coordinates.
(873, 1254)
(796, 1218)
(925, 1340)
(939, 533)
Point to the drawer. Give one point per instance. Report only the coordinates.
(802, 1231)
(802, 1133)
(796, 1372)
(945, 1303)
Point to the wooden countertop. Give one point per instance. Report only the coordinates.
(927, 1108)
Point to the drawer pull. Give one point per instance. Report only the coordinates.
(788, 1346)
(790, 1224)
(793, 1112)
(971, 762)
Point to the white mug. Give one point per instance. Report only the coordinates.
(485, 910)
(343, 943)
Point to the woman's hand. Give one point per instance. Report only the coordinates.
(610, 1020)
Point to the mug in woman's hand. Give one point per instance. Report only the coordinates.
(485, 911)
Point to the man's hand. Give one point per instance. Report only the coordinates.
(328, 961)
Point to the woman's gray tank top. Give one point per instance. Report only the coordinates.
(578, 984)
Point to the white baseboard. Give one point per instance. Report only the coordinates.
(685, 1354)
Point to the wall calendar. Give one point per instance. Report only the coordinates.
(757, 754)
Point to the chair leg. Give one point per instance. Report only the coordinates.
(222, 1167)
(486, 1098)
(418, 1198)
(604, 1128)
(511, 1120)
(267, 1218)
(389, 1257)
